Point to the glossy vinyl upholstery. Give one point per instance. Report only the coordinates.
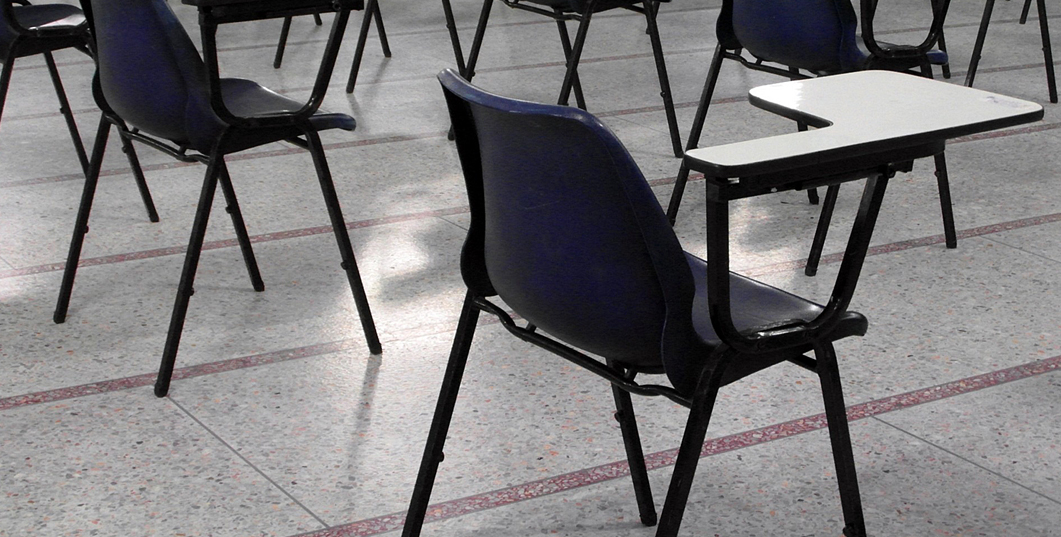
(153, 78)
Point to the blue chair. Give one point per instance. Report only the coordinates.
(581, 11)
(153, 86)
(372, 13)
(805, 38)
(28, 30)
(566, 231)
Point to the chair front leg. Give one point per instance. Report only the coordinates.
(692, 445)
(635, 456)
(185, 288)
(945, 204)
(447, 400)
(694, 134)
(1048, 51)
(820, 233)
(66, 288)
(377, 16)
(232, 208)
(342, 237)
(362, 39)
(5, 81)
(68, 114)
(840, 437)
(651, 7)
(978, 46)
(477, 40)
(281, 44)
(565, 43)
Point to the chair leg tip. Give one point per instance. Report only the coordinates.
(59, 318)
(649, 520)
(161, 390)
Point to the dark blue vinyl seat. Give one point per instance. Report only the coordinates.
(581, 11)
(29, 30)
(568, 234)
(155, 89)
(801, 38)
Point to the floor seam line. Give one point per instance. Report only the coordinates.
(249, 463)
(967, 460)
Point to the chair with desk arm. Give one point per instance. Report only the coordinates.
(568, 234)
(154, 88)
(803, 38)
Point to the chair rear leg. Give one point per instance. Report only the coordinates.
(945, 205)
(5, 81)
(377, 15)
(624, 414)
(447, 399)
(68, 114)
(454, 37)
(822, 230)
(282, 43)
(691, 448)
(81, 223)
(1024, 11)
(342, 237)
(840, 437)
(138, 173)
(651, 6)
(185, 289)
(232, 208)
(978, 46)
(477, 40)
(1048, 52)
(565, 43)
(362, 39)
(695, 132)
(576, 54)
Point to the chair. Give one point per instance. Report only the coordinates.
(154, 88)
(566, 231)
(816, 37)
(27, 30)
(1044, 30)
(371, 13)
(581, 11)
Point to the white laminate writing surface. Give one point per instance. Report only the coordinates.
(864, 111)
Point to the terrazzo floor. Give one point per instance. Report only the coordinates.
(281, 423)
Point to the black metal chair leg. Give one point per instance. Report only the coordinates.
(138, 174)
(68, 114)
(282, 43)
(5, 81)
(377, 16)
(695, 132)
(454, 37)
(1048, 53)
(342, 237)
(635, 456)
(822, 230)
(317, 19)
(1024, 11)
(565, 43)
(576, 54)
(232, 208)
(978, 46)
(185, 289)
(840, 437)
(436, 438)
(664, 80)
(801, 126)
(477, 40)
(362, 39)
(945, 204)
(81, 223)
(690, 449)
(945, 68)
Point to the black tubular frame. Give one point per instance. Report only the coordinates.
(735, 343)
(572, 50)
(1044, 30)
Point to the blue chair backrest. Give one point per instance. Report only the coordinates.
(564, 227)
(150, 72)
(815, 35)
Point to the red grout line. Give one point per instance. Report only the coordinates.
(715, 446)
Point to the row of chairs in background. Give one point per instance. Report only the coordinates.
(180, 120)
